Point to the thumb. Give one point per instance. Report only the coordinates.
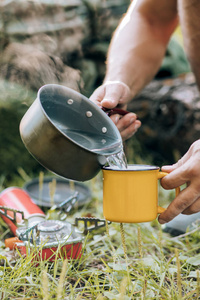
(169, 169)
(115, 92)
(111, 99)
(180, 162)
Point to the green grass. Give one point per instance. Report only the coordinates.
(133, 261)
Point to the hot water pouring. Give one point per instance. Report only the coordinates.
(69, 134)
(74, 138)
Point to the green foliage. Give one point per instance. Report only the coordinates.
(155, 265)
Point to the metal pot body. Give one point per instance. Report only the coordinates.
(68, 134)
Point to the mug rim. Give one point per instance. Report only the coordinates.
(138, 167)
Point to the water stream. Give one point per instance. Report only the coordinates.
(117, 160)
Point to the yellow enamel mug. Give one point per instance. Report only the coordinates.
(131, 195)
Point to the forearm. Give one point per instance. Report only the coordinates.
(136, 51)
(190, 25)
(133, 57)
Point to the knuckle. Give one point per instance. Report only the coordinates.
(180, 205)
(179, 162)
(193, 208)
(190, 211)
(195, 149)
(193, 171)
(195, 146)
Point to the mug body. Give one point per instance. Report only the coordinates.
(130, 195)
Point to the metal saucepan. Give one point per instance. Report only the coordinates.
(69, 134)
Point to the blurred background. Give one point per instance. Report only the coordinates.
(65, 42)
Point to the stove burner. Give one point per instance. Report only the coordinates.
(50, 226)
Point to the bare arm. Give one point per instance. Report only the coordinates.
(189, 12)
(135, 54)
(139, 43)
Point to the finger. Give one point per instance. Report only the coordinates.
(185, 199)
(193, 208)
(168, 169)
(98, 95)
(124, 120)
(183, 160)
(110, 100)
(130, 131)
(176, 178)
(115, 94)
(115, 118)
(128, 125)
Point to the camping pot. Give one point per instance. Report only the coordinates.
(69, 134)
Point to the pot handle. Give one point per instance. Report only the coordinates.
(114, 111)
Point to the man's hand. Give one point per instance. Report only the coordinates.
(113, 94)
(185, 171)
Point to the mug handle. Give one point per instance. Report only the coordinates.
(177, 189)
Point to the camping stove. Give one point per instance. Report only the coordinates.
(33, 233)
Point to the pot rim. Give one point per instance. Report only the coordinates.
(119, 144)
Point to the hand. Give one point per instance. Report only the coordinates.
(116, 93)
(185, 171)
